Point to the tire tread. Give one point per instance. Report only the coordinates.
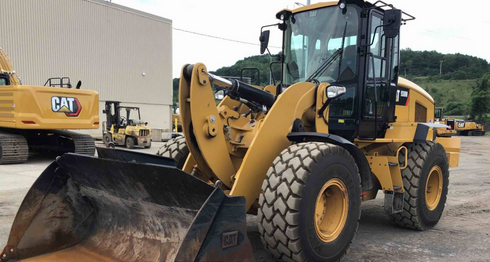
(279, 213)
(417, 155)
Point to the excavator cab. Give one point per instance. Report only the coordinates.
(4, 80)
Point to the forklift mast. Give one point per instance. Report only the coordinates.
(112, 118)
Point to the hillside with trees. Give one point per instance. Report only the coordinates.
(457, 82)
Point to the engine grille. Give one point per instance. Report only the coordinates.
(144, 132)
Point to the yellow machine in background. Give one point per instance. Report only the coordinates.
(468, 128)
(125, 129)
(439, 119)
(456, 126)
(339, 128)
(34, 117)
(176, 123)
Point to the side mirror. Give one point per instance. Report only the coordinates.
(79, 84)
(335, 91)
(264, 41)
(219, 95)
(392, 22)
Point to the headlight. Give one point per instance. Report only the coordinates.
(335, 91)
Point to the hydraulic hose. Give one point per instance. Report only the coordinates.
(238, 88)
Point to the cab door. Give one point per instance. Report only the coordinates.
(380, 79)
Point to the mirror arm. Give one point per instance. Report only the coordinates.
(262, 28)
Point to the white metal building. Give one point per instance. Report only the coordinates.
(122, 53)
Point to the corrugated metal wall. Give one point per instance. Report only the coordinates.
(123, 54)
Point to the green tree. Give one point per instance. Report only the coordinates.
(175, 88)
(480, 99)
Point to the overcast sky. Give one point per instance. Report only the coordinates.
(445, 26)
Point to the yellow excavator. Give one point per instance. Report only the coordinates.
(35, 118)
(456, 126)
(340, 127)
(468, 128)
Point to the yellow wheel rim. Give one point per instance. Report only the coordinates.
(332, 205)
(433, 187)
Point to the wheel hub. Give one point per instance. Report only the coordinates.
(433, 187)
(331, 210)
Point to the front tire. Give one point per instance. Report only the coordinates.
(175, 148)
(129, 142)
(310, 203)
(425, 181)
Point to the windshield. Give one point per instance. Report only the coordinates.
(313, 37)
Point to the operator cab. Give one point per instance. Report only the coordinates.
(114, 117)
(4, 80)
(438, 114)
(354, 44)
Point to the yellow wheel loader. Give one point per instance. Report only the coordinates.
(34, 118)
(340, 127)
(439, 119)
(124, 130)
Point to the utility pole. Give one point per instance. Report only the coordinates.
(440, 68)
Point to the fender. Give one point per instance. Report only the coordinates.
(357, 154)
(423, 129)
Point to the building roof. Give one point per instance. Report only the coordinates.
(130, 10)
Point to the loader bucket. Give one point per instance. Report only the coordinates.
(131, 156)
(84, 208)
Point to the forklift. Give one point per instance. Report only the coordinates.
(123, 130)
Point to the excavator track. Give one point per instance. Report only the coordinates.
(84, 144)
(13, 148)
(62, 141)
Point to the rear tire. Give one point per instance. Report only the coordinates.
(425, 181)
(304, 182)
(129, 142)
(175, 148)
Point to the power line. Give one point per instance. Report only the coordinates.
(220, 38)
(447, 35)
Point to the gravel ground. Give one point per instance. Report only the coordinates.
(463, 234)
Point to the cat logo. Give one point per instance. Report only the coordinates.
(229, 239)
(68, 105)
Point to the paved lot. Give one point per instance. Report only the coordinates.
(463, 234)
